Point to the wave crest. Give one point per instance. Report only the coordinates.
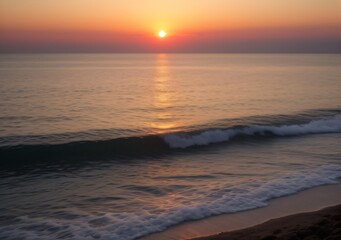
(326, 125)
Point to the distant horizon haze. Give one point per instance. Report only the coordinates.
(217, 26)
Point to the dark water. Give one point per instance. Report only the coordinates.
(118, 146)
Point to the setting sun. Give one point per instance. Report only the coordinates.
(168, 117)
(162, 34)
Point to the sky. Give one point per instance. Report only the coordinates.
(217, 26)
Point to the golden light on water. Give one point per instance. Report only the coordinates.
(164, 118)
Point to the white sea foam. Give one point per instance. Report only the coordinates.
(128, 226)
(327, 125)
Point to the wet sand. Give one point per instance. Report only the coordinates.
(322, 224)
(306, 201)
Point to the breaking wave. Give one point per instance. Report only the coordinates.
(132, 225)
(327, 125)
(139, 146)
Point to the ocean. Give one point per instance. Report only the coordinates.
(119, 146)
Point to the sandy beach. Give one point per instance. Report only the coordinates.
(283, 210)
(322, 224)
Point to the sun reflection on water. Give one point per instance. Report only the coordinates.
(164, 97)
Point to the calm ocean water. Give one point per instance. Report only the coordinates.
(120, 146)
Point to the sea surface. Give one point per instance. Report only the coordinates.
(119, 146)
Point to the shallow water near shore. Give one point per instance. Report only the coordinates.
(120, 146)
(307, 201)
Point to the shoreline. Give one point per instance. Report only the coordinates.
(322, 224)
(309, 200)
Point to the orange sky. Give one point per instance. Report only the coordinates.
(132, 25)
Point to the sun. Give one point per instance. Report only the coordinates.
(162, 34)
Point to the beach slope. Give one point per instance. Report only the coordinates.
(322, 224)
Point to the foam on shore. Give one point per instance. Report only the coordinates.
(306, 201)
